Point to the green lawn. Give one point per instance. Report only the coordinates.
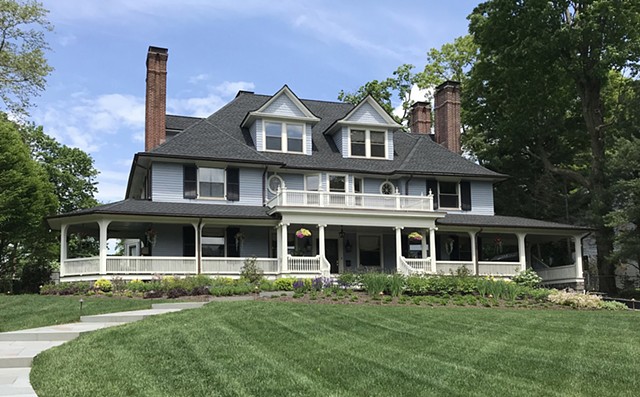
(291, 349)
(30, 311)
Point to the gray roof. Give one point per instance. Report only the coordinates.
(220, 137)
(180, 123)
(156, 208)
(504, 221)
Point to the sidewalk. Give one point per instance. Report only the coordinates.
(18, 348)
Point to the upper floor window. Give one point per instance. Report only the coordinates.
(284, 137)
(211, 182)
(368, 143)
(449, 194)
(208, 182)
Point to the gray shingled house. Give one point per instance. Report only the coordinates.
(311, 188)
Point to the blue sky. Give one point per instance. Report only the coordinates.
(95, 96)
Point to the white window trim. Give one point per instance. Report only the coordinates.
(393, 187)
(353, 187)
(346, 182)
(357, 247)
(367, 142)
(224, 184)
(283, 136)
(275, 176)
(306, 188)
(457, 192)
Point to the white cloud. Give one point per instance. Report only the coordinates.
(203, 106)
(231, 88)
(198, 78)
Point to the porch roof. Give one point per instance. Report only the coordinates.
(156, 208)
(502, 221)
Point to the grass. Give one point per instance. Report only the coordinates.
(275, 349)
(30, 311)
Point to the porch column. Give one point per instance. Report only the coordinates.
(474, 253)
(283, 248)
(522, 251)
(578, 248)
(63, 247)
(104, 225)
(321, 251)
(198, 230)
(423, 243)
(432, 249)
(398, 246)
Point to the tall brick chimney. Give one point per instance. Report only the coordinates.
(447, 115)
(420, 118)
(156, 98)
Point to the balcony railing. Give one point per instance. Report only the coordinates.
(303, 198)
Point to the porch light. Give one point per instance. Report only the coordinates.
(341, 234)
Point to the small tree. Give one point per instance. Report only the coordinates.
(251, 271)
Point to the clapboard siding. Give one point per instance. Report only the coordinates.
(343, 142)
(256, 242)
(366, 114)
(308, 139)
(253, 130)
(417, 187)
(168, 240)
(168, 185)
(372, 186)
(389, 145)
(283, 106)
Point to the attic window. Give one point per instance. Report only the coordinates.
(284, 137)
(368, 143)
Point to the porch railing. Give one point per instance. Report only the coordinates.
(421, 265)
(234, 265)
(448, 267)
(322, 199)
(80, 266)
(151, 265)
(304, 264)
(557, 273)
(498, 268)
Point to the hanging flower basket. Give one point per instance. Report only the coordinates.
(415, 236)
(302, 233)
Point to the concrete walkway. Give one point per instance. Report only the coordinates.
(18, 348)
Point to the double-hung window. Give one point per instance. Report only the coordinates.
(284, 137)
(211, 182)
(368, 143)
(449, 195)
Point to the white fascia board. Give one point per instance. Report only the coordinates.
(309, 116)
(376, 106)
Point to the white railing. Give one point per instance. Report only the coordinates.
(151, 265)
(234, 265)
(498, 268)
(448, 267)
(558, 273)
(421, 265)
(325, 267)
(305, 198)
(80, 266)
(303, 264)
(404, 268)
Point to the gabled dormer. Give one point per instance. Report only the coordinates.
(283, 124)
(365, 132)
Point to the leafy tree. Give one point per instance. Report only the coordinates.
(26, 198)
(538, 85)
(451, 62)
(23, 66)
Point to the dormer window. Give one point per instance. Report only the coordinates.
(284, 137)
(368, 143)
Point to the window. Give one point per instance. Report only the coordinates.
(284, 137)
(213, 242)
(211, 182)
(449, 196)
(367, 143)
(357, 185)
(337, 183)
(312, 182)
(387, 188)
(274, 183)
(370, 251)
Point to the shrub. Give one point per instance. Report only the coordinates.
(630, 293)
(396, 284)
(103, 285)
(575, 300)
(300, 286)
(375, 283)
(527, 278)
(251, 271)
(135, 285)
(118, 284)
(347, 280)
(284, 284)
(613, 305)
(266, 285)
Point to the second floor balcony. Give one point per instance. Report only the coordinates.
(321, 199)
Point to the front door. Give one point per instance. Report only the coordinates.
(331, 252)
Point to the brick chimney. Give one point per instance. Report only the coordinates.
(156, 98)
(420, 118)
(447, 115)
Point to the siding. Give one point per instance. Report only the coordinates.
(256, 242)
(372, 186)
(168, 240)
(366, 114)
(285, 107)
(343, 145)
(168, 185)
(418, 187)
(481, 198)
(253, 130)
(389, 145)
(308, 139)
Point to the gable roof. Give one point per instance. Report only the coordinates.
(180, 123)
(303, 111)
(384, 119)
(221, 137)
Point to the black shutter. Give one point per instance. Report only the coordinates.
(233, 184)
(190, 181)
(432, 185)
(465, 192)
(233, 248)
(188, 241)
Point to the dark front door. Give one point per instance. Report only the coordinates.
(331, 252)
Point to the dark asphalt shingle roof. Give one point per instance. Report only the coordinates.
(180, 123)
(157, 208)
(220, 137)
(504, 221)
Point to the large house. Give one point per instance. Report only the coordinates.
(311, 188)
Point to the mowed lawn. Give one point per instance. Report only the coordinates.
(31, 311)
(290, 349)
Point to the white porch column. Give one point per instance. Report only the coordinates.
(578, 248)
(283, 248)
(432, 249)
(321, 251)
(63, 247)
(104, 225)
(198, 230)
(398, 246)
(423, 243)
(474, 253)
(522, 252)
